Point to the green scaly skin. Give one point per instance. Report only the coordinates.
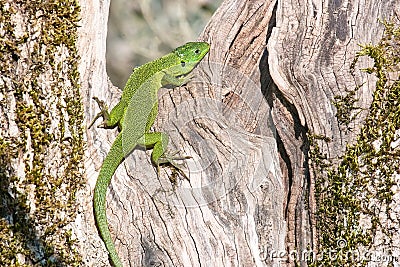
(134, 115)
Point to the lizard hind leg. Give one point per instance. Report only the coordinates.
(159, 156)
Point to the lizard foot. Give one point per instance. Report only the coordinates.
(103, 113)
(176, 167)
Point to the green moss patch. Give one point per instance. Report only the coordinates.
(42, 134)
(355, 197)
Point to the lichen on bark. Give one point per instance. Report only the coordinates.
(41, 134)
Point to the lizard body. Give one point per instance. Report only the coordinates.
(134, 115)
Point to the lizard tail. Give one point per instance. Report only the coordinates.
(110, 164)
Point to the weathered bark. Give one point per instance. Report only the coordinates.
(251, 118)
(311, 50)
(251, 196)
(41, 135)
(221, 120)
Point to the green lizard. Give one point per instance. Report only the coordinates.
(134, 115)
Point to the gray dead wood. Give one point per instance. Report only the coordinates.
(250, 193)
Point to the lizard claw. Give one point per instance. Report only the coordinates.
(170, 160)
(103, 113)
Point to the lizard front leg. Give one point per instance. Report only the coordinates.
(110, 119)
(170, 79)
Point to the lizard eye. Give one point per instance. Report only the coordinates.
(183, 63)
(197, 51)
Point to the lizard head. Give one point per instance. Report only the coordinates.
(190, 54)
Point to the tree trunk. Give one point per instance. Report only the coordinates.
(276, 120)
(327, 113)
(41, 134)
(235, 190)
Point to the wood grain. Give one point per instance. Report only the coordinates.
(270, 78)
